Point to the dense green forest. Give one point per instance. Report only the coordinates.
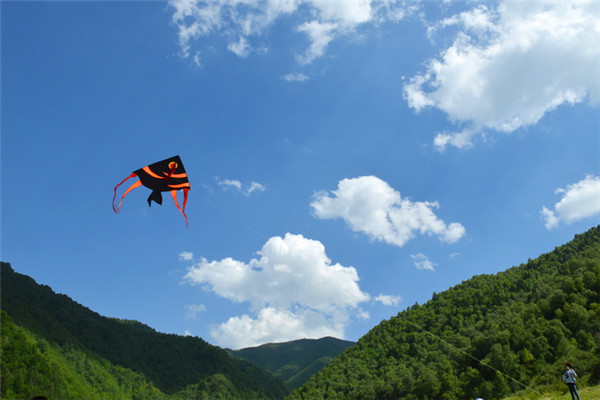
(487, 337)
(58, 348)
(34, 367)
(296, 361)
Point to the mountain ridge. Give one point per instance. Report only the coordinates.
(294, 361)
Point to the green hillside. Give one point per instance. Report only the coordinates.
(34, 367)
(487, 337)
(182, 367)
(296, 361)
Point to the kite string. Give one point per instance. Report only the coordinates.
(469, 355)
(233, 217)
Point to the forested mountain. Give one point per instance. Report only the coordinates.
(79, 351)
(296, 361)
(34, 367)
(487, 337)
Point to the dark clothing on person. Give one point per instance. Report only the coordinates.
(573, 390)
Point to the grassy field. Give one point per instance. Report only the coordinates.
(586, 393)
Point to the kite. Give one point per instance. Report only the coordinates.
(163, 176)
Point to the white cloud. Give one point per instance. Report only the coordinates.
(369, 205)
(192, 311)
(241, 48)
(255, 186)
(362, 314)
(273, 325)
(348, 13)
(579, 200)
(293, 288)
(295, 77)
(509, 66)
(230, 183)
(388, 300)
(237, 185)
(244, 21)
(186, 256)
(422, 262)
(320, 34)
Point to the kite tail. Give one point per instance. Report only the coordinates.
(185, 197)
(133, 186)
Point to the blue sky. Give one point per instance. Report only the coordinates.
(347, 159)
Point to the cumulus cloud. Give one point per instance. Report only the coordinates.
(421, 261)
(579, 200)
(509, 66)
(294, 291)
(241, 23)
(369, 205)
(388, 300)
(272, 325)
(246, 189)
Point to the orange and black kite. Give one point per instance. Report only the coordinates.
(163, 176)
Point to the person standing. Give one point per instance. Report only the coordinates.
(569, 377)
